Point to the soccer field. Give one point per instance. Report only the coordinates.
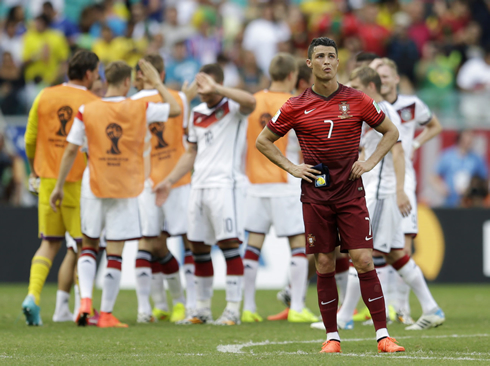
(463, 339)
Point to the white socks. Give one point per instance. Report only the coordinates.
(143, 289)
(413, 276)
(190, 290)
(110, 289)
(299, 278)
(352, 296)
(384, 280)
(402, 294)
(62, 302)
(158, 293)
(250, 275)
(234, 288)
(175, 287)
(204, 291)
(87, 268)
(341, 279)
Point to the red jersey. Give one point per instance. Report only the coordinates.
(329, 132)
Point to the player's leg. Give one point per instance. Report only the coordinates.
(151, 217)
(257, 223)
(111, 284)
(341, 273)
(357, 237)
(52, 232)
(189, 270)
(171, 273)
(432, 315)
(227, 219)
(87, 268)
(199, 232)
(158, 292)
(65, 282)
(143, 273)
(251, 267)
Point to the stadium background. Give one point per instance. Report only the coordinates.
(438, 45)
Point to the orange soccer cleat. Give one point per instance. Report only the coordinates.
(84, 311)
(389, 345)
(107, 320)
(283, 315)
(331, 347)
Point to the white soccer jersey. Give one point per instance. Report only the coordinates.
(412, 112)
(381, 180)
(220, 134)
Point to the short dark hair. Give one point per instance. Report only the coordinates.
(367, 75)
(304, 73)
(321, 41)
(81, 62)
(214, 70)
(156, 60)
(281, 66)
(117, 71)
(366, 56)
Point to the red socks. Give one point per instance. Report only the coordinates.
(373, 297)
(328, 300)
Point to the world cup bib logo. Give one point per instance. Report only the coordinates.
(157, 129)
(264, 119)
(114, 132)
(64, 116)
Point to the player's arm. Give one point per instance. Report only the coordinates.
(30, 136)
(207, 85)
(265, 144)
(151, 75)
(431, 130)
(183, 166)
(399, 164)
(390, 137)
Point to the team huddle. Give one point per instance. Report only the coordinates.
(115, 169)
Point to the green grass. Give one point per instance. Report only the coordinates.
(466, 309)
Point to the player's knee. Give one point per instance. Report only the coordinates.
(52, 245)
(324, 264)
(363, 262)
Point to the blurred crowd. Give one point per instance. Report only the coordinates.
(441, 47)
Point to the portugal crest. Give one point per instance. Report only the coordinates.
(344, 108)
(311, 240)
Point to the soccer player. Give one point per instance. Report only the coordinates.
(385, 190)
(50, 120)
(327, 119)
(413, 112)
(115, 128)
(154, 262)
(271, 194)
(217, 142)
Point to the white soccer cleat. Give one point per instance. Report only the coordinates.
(284, 296)
(146, 318)
(404, 317)
(63, 316)
(229, 317)
(199, 316)
(345, 325)
(318, 325)
(429, 321)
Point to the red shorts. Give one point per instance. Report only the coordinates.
(324, 223)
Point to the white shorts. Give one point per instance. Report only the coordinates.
(285, 213)
(386, 224)
(216, 214)
(70, 242)
(119, 216)
(171, 217)
(410, 223)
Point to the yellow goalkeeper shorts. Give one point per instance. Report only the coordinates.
(53, 225)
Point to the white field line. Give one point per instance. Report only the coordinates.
(238, 348)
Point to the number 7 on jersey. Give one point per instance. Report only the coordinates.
(331, 126)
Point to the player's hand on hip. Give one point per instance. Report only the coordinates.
(403, 203)
(162, 191)
(150, 74)
(304, 171)
(358, 169)
(205, 84)
(56, 198)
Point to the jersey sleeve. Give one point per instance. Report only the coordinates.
(30, 136)
(191, 134)
(77, 132)
(157, 112)
(423, 115)
(282, 121)
(371, 112)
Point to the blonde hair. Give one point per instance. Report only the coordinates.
(117, 71)
(366, 75)
(390, 63)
